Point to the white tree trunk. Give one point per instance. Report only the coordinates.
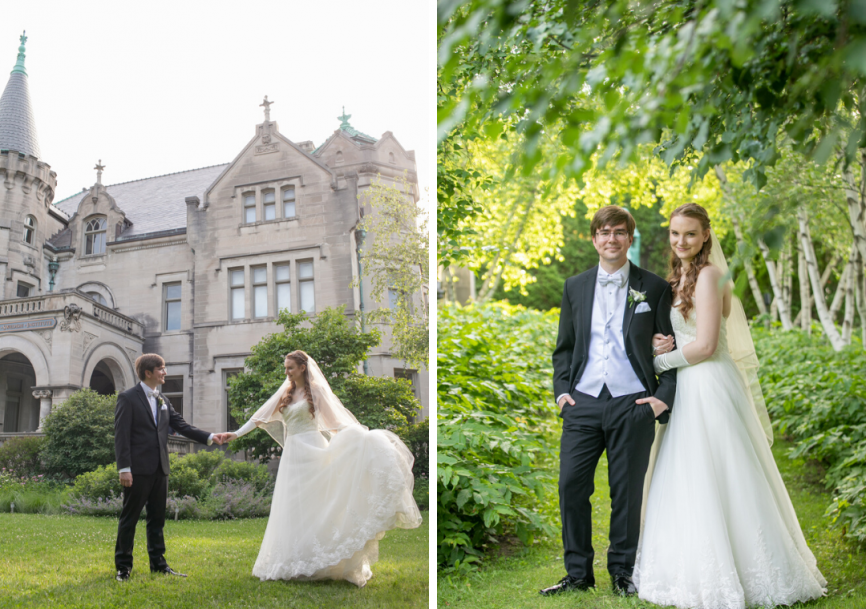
(805, 314)
(848, 320)
(784, 311)
(858, 277)
(856, 207)
(839, 296)
(815, 279)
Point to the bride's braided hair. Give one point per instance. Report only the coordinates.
(687, 294)
(300, 358)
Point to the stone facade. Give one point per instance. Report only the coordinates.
(192, 266)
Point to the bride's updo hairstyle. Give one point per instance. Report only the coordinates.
(300, 358)
(687, 294)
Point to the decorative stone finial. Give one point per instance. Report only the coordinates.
(267, 106)
(99, 167)
(19, 65)
(344, 119)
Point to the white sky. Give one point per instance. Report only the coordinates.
(158, 87)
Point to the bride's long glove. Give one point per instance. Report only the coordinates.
(667, 361)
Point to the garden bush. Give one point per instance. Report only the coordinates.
(817, 397)
(79, 434)
(236, 499)
(21, 456)
(417, 438)
(496, 427)
(31, 495)
(243, 471)
(102, 483)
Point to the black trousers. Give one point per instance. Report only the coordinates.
(150, 491)
(625, 430)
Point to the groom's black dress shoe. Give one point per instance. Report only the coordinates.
(122, 576)
(623, 585)
(167, 571)
(566, 584)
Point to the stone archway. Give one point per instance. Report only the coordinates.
(19, 409)
(107, 370)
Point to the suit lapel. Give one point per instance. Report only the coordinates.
(635, 282)
(587, 297)
(146, 403)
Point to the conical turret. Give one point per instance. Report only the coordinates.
(17, 127)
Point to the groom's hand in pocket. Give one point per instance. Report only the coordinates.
(126, 479)
(656, 404)
(565, 399)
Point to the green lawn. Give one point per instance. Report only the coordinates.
(513, 579)
(68, 561)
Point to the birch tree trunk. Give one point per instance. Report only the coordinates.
(788, 275)
(805, 315)
(784, 311)
(848, 320)
(858, 277)
(487, 290)
(840, 290)
(857, 206)
(738, 233)
(815, 279)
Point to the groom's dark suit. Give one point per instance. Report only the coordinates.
(616, 424)
(141, 444)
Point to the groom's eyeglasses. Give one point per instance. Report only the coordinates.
(606, 234)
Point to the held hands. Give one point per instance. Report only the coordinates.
(222, 438)
(662, 344)
(126, 479)
(657, 405)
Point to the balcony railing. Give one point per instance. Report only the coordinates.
(56, 303)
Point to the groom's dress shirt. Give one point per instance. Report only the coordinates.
(608, 363)
(151, 399)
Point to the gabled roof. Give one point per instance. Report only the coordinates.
(153, 204)
(355, 136)
(17, 127)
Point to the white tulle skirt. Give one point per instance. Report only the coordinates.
(720, 531)
(333, 502)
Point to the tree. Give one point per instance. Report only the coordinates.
(79, 434)
(397, 263)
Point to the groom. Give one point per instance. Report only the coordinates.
(608, 396)
(141, 421)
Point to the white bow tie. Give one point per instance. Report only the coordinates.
(616, 279)
(155, 394)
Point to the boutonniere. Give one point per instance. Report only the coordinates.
(161, 403)
(635, 297)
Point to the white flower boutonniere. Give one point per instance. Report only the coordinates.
(635, 297)
(161, 402)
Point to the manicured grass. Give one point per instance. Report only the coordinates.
(68, 561)
(514, 580)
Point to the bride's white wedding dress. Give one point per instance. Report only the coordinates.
(333, 501)
(720, 530)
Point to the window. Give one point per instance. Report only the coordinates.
(249, 208)
(29, 230)
(289, 202)
(98, 298)
(231, 424)
(284, 292)
(173, 390)
(94, 236)
(172, 306)
(23, 290)
(269, 205)
(411, 376)
(260, 291)
(308, 292)
(393, 298)
(237, 286)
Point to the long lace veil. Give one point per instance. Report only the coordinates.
(741, 346)
(331, 416)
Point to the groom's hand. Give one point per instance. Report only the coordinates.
(656, 404)
(563, 400)
(126, 479)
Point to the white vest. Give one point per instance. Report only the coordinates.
(608, 363)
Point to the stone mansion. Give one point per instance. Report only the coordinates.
(192, 265)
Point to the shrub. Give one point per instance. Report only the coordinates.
(234, 499)
(204, 462)
(79, 434)
(184, 478)
(101, 483)
(242, 471)
(378, 402)
(21, 456)
(421, 493)
(33, 498)
(417, 438)
(496, 427)
(82, 506)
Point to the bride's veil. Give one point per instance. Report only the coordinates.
(331, 416)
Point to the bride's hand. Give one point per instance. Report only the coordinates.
(662, 344)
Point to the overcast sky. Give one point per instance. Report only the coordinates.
(159, 87)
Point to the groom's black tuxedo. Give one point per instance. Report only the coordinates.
(575, 320)
(617, 425)
(141, 444)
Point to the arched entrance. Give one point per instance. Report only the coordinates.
(19, 410)
(102, 380)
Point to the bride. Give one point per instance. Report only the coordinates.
(720, 530)
(339, 485)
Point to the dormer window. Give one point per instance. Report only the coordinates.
(289, 202)
(29, 230)
(94, 236)
(269, 205)
(391, 158)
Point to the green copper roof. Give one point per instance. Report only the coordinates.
(345, 126)
(19, 65)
